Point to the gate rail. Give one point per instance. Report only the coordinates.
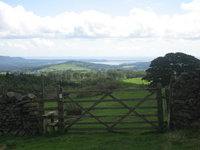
(67, 122)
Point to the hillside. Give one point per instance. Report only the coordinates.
(18, 64)
(135, 66)
(63, 67)
(86, 66)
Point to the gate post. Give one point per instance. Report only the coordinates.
(60, 110)
(160, 107)
(41, 106)
(168, 94)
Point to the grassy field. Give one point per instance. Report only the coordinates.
(103, 140)
(63, 67)
(136, 81)
(131, 140)
(133, 83)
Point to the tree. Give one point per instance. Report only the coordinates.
(162, 69)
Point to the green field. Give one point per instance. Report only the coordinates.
(128, 66)
(136, 81)
(103, 140)
(131, 140)
(3, 73)
(63, 67)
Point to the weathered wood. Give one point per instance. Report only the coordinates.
(106, 116)
(88, 111)
(102, 108)
(41, 107)
(49, 115)
(167, 98)
(41, 111)
(45, 123)
(132, 110)
(139, 107)
(109, 125)
(111, 122)
(170, 107)
(113, 90)
(106, 100)
(116, 128)
(109, 100)
(115, 116)
(53, 124)
(160, 107)
(145, 119)
(60, 110)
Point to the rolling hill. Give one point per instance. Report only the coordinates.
(18, 64)
(86, 66)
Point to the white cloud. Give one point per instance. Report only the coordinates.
(193, 6)
(16, 22)
(42, 42)
(92, 33)
(12, 44)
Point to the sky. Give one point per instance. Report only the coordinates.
(99, 28)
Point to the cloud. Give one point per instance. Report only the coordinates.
(16, 22)
(12, 45)
(193, 6)
(42, 42)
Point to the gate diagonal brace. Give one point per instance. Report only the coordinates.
(132, 109)
(87, 111)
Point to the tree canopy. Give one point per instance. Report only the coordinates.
(171, 65)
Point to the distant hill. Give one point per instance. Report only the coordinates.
(14, 63)
(135, 66)
(18, 64)
(76, 65)
(86, 66)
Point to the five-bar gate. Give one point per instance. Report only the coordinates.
(105, 110)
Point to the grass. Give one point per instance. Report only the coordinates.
(128, 66)
(133, 83)
(132, 140)
(3, 73)
(103, 140)
(63, 67)
(136, 81)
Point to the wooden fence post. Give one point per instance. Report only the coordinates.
(60, 110)
(167, 98)
(168, 93)
(160, 107)
(41, 106)
(171, 104)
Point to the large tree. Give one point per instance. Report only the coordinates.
(162, 69)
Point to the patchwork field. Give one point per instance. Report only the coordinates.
(63, 67)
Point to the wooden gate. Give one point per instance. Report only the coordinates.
(106, 110)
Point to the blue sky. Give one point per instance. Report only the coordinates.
(114, 7)
(92, 28)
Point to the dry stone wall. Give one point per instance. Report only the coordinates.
(19, 114)
(186, 101)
